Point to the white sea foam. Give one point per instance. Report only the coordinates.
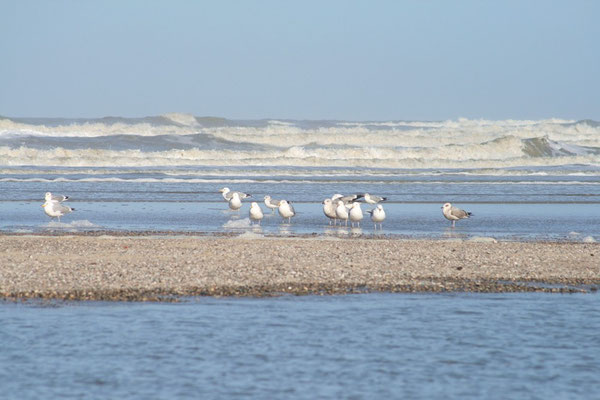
(502, 154)
(92, 129)
(182, 119)
(460, 144)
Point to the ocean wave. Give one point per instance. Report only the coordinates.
(330, 181)
(301, 133)
(180, 140)
(498, 153)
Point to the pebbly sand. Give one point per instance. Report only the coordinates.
(150, 268)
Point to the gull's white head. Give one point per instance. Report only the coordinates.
(446, 206)
(326, 201)
(356, 205)
(224, 190)
(267, 197)
(254, 204)
(235, 195)
(380, 207)
(48, 196)
(283, 203)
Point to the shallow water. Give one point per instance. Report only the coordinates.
(521, 179)
(454, 346)
(505, 207)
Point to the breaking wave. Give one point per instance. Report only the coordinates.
(180, 140)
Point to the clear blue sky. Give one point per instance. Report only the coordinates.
(369, 60)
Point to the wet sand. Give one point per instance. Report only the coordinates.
(150, 268)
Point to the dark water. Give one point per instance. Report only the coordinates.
(454, 346)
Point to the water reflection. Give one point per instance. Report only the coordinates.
(285, 229)
(451, 233)
(356, 231)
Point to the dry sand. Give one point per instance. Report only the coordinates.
(143, 268)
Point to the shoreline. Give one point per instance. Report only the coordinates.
(128, 266)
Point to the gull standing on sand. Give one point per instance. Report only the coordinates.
(53, 209)
(454, 213)
(356, 214)
(286, 210)
(372, 199)
(55, 197)
(235, 203)
(329, 211)
(256, 213)
(272, 204)
(227, 194)
(342, 212)
(377, 216)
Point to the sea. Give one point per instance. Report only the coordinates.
(521, 180)
(536, 180)
(365, 346)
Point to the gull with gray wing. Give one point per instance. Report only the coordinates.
(454, 213)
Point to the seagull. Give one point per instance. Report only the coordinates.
(272, 204)
(55, 197)
(329, 210)
(286, 210)
(256, 213)
(372, 199)
(356, 214)
(377, 215)
(227, 194)
(53, 209)
(454, 213)
(341, 211)
(235, 203)
(348, 200)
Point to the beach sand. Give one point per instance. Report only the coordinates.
(149, 268)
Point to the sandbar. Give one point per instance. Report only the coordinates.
(159, 268)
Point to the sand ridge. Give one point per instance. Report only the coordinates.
(164, 268)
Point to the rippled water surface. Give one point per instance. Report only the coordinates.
(546, 207)
(493, 346)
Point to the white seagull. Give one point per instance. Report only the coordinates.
(454, 213)
(55, 209)
(372, 199)
(342, 212)
(272, 204)
(227, 194)
(356, 214)
(256, 213)
(286, 210)
(329, 210)
(235, 203)
(348, 200)
(377, 215)
(55, 197)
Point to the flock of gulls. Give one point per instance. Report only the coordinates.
(337, 208)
